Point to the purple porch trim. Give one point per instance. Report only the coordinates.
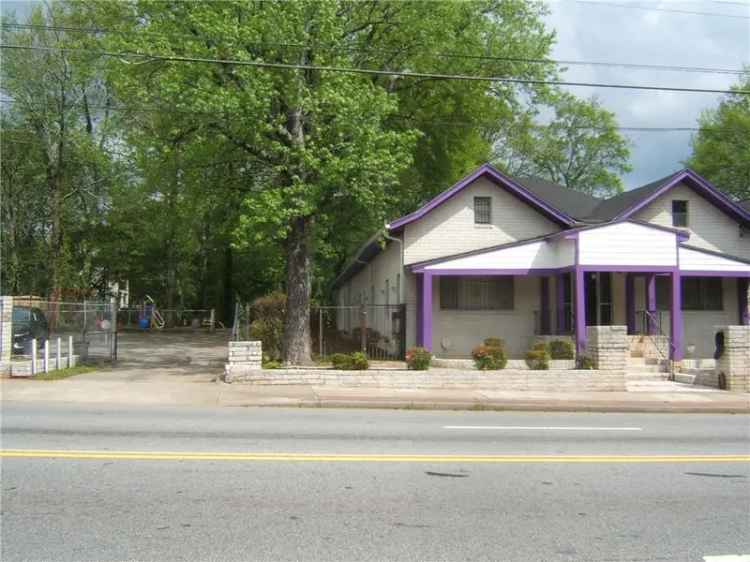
(427, 311)
(560, 304)
(704, 188)
(580, 312)
(630, 268)
(742, 286)
(520, 272)
(676, 317)
(708, 273)
(493, 173)
(544, 305)
(630, 302)
(420, 306)
(651, 301)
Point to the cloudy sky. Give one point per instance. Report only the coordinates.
(618, 31)
(661, 34)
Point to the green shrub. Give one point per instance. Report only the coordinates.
(271, 364)
(340, 361)
(359, 361)
(561, 349)
(418, 358)
(489, 358)
(356, 361)
(585, 362)
(537, 357)
(495, 342)
(268, 325)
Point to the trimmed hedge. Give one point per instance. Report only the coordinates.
(561, 349)
(356, 361)
(489, 358)
(538, 357)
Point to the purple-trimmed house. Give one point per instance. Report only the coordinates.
(521, 258)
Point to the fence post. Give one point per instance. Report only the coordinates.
(33, 356)
(70, 351)
(212, 320)
(58, 354)
(363, 328)
(46, 356)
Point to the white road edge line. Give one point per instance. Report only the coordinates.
(728, 558)
(544, 428)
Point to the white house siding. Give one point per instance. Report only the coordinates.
(695, 260)
(534, 255)
(466, 329)
(449, 228)
(627, 244)
(709, 227)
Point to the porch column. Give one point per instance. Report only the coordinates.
(676, 316)
(426, 313)
(742, 287)
(651, 302)
(630, 302)
(544, 306)
(580, 312)
(420, 333)
(560, 308)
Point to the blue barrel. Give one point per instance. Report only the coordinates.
(144, 323)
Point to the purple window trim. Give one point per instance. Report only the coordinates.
(742, 311)
(704, 187)
(714, 273)
(490, 171)
(544, 305)
(468, 272)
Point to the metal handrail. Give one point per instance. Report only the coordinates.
(652, 319)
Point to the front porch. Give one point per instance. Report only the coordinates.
(559, 286)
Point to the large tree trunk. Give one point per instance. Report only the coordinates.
(296, 349)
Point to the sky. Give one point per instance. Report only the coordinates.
(619, 31)
(611, 33)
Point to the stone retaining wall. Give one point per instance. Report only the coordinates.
(506, 379)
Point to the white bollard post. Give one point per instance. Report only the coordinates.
(70, 351)
(58, 354)
(212, 320)
(46, 356)
(33, 357)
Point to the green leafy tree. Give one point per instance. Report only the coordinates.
(721, 148)
(579, 148)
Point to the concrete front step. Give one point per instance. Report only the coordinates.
(644, 368)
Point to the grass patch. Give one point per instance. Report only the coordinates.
(65, 373)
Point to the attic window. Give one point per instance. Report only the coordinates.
(482, 210)
(679, 213)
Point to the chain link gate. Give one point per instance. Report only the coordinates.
(377, 330)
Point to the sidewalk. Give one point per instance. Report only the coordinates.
(205, 393)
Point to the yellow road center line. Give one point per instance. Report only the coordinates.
(354, 457)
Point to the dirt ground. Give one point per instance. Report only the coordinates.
(193, 356)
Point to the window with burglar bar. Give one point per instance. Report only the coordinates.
(482, 210)
(476, 293)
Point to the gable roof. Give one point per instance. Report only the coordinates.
(608, 209)
(488, 171)
(577, 204)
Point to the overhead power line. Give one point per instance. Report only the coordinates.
(447, 123)
(373, 72)
(441, 54)
(653, 9)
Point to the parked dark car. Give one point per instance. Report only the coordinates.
(28, 323)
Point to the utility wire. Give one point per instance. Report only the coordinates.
(637, 7)
(558, 62)
(374, 72)
(448, 123)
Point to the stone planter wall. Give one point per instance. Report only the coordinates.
(516, 364)
(505, 379)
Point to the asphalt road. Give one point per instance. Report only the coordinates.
(273, 484)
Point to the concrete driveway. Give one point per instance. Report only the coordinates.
(166, 356)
